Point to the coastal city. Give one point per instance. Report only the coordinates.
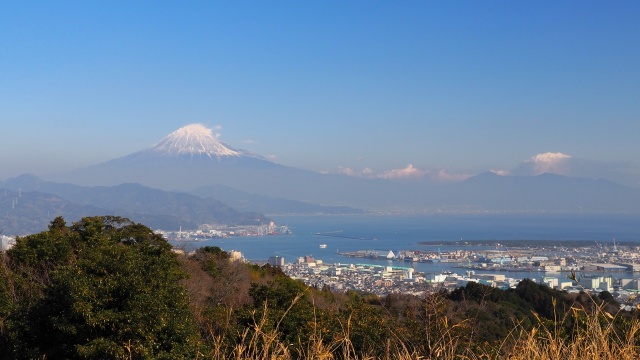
(215, 231)
(572, 266)
(589, 269)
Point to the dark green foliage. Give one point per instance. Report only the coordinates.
(214, 250)
(105, 288)
(46, 249)
(210, 257)
(6, 306)
(607, 297)
(545, 301)
(491, 314)
(369, 328)
(285, 304)
(278, 293)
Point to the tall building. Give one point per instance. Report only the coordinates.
(276, 261)
(234, 255)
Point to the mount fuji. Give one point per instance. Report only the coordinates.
(193, 158)
(197, 140)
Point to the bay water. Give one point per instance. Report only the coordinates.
(386, 232)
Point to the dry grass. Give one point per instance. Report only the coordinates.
(593, 336)
(582, 333)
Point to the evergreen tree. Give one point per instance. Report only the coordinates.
(109, 289)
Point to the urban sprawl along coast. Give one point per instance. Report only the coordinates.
(589, 269)
(597, 267)
(572, 266)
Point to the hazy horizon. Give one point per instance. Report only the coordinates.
(436, 91)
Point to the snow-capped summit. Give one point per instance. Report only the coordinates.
(194, 139)
(193, 157)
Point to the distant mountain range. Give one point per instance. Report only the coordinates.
(35, 202)
(23, 213)
(245, 201)
(29, 203)
(542, 193)
(176, 182)
(193, 160)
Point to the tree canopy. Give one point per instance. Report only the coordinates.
(104, 287)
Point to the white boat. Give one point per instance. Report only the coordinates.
(323, 246)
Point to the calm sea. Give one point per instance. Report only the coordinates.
(367, 232)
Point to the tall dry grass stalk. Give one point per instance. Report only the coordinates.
(593, 336)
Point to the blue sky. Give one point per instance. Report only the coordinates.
(453, 87)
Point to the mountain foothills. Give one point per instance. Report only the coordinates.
(31, 203)
(76, 291)
(176, 181)
(245, 201)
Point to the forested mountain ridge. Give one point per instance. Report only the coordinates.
(29, 203)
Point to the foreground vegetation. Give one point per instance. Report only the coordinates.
(107, 288)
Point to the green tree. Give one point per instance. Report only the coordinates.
(112, 292)
(286, 304)
(6, 305)
(544, 300)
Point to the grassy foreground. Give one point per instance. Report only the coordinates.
(594, 336)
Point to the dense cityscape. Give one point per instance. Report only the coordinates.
(579, 266)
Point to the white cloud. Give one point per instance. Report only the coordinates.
(563, 164)
(501, 172)
(215, 131)
(364, 173)
(349, 171)
(549, 162)
(408, 172)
